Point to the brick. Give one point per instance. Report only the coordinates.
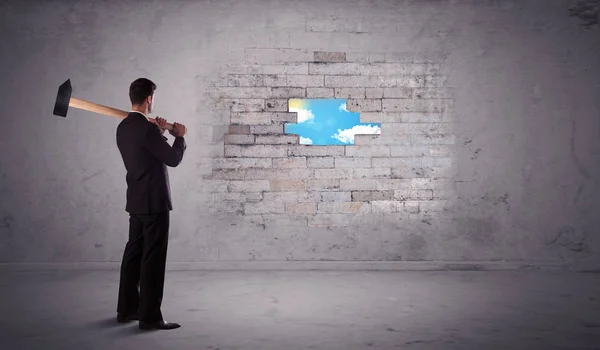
(410, 105)
(410, 172)
(277, 56)
(363, 162)
(441, 151)
(236, 163)
(239, 105)
(410, 81)
(263, 118)
(323, 56)
(435, 206)
(443, 193)
(368, 196)
(416, 128)
(433, 139)
(225, 207)
(240, 92)
(306, 80)
(320, 162)
(399, 57)
(237, 197)
(239, 129)
(301, 208)
(336, 196)
(374, 69)
(421, 194)
(255, 151)
(288, 185)
(393, 162)
(244, 80)
(441, 173)
(413, 194)
(333, 173)
(241, 68)
(263, 208)
(287, 92)
(411, 207)
(434, 80)
(289, 139)
(306, 150)
(398, 92)
(230, 139)
(384, 206)
(373, 92)
(402, 117)
(292, 197)
(358, 185)
(363, 105)
(360, 81)
(260, 173)
(319, 92)
(367, 151)
(323, 184)
(366, 139)
(350, 93)
(437, 161)
(343, 208)
(409, 151)
(287, 68)
(393, 184)
(289, 162)
(248, 186)
(272, 80)
(357, 56)
(276, 105)
(267, 129)
(369, 173)
(434, 92)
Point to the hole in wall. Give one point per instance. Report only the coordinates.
(323, 122)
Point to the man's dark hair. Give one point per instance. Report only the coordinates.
(140, 89)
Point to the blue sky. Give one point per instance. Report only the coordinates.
(327, 122)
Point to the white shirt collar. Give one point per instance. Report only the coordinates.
(141, 114)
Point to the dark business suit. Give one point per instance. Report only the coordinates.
(146, 155)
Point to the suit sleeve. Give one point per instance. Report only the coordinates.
(157, 144)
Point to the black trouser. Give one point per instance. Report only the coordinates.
(144, 262)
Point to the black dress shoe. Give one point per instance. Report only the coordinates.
(122, 318)
(159, 325)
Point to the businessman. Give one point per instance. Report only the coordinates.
(146, 155)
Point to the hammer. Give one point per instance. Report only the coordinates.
(64, 101)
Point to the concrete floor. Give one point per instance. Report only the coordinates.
(310, 310)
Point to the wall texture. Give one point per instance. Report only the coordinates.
(489, 146)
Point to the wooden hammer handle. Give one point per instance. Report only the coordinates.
(113, 112)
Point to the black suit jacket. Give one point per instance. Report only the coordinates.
(146, 155)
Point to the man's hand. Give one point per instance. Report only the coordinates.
(161, 122)
(178, 130)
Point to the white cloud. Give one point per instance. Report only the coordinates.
(342, 107)
(304, 115)
(347, 135)
(305, 141)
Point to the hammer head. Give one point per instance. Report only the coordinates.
(63, 98)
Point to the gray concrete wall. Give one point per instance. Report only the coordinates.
(489, 147)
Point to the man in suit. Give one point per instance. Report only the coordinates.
(146, 155)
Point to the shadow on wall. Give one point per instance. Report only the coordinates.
(586, 10)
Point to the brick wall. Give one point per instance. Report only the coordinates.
(405, 171)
